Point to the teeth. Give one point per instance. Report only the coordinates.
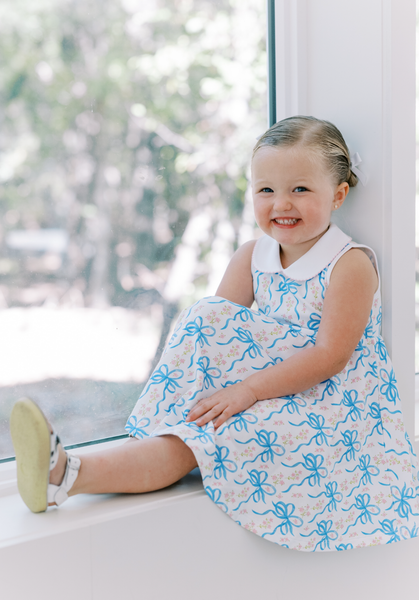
(286, 221)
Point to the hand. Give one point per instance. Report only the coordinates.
(222, 405)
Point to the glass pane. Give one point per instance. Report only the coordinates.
(417, 229)
(127, 129)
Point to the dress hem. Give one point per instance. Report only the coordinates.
(358, 542)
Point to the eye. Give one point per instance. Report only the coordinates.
(266, 190)
(300, 189)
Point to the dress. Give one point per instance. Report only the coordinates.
(331, 468)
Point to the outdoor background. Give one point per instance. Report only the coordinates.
(417, 227)
(126, 128)
(126, 132)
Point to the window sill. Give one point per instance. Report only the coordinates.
(172, 543)
(18, 524)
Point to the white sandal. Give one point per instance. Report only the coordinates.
(37, 454)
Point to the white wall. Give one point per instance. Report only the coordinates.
(352, 62)
(174, 545)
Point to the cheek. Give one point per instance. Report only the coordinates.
(319, 214)
(259, 209)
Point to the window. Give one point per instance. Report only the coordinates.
(417, 236)
(126, 133)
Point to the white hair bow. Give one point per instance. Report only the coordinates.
(356, 160)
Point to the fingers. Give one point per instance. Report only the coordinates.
(222, 405)
(208, 416)
(221, 419)
(217, 412)
(206, 410)
(199, 409)
(203, 406)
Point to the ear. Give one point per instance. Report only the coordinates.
(340, 194)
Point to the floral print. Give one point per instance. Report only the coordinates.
(330, 468)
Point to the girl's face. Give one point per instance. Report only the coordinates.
(294, 196)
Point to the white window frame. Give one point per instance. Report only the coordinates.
(353, 63)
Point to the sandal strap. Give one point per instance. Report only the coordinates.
(55, 440)
(59, 493)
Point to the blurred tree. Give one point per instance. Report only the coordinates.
(130, 125)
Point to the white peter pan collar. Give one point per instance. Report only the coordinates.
(267, 260)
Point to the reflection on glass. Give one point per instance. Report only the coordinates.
(124, 149)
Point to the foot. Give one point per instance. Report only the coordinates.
(45, 473)
(32, 444)
(56, 476)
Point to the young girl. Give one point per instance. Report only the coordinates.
(292, 412)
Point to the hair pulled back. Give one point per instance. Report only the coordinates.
(321, 136)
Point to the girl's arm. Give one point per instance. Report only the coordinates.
(237, 283)
(345, 315)
(346, 311)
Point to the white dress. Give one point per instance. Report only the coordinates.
(330, 468)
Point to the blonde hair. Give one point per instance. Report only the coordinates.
(321, 136)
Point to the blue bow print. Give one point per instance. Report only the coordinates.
(293, 404)
(366, 508)
(349, 439)
(136, 428)
(222, 463)
(313, 463)
(197, 329)
(389, 529)
(258, 276)
(215, 495)
(287, 286)
(375, 413)
(245, 315)
(389, 387)
(369, 329)
(210, 373)
(258, 480)
(367, 471)
(314, 322)
(332, 493)
(204, 433)
(381, 349)
(326, 533)
(350, 400)
(285, 513)
(265, 439)
(365, 352)
(240, 421)
(374, 370)
(253, 349)
(401, 504)
(344, 547)
(330, 388)
(316, 422)
(407, 533)
(169, 378)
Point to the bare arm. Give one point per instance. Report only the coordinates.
(345, 315)
(237, 283)
(346, 311)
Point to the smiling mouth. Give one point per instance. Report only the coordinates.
(286, 221)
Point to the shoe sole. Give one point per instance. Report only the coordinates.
(31, 441)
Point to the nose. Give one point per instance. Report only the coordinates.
(282, 202)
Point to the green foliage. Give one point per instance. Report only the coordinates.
(120, 121)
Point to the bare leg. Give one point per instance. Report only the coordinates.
(134, 467)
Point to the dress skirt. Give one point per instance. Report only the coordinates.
(330, 468)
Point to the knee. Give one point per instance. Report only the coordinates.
(210, 311)
(212, 308)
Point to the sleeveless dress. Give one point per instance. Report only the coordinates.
(330, 468)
